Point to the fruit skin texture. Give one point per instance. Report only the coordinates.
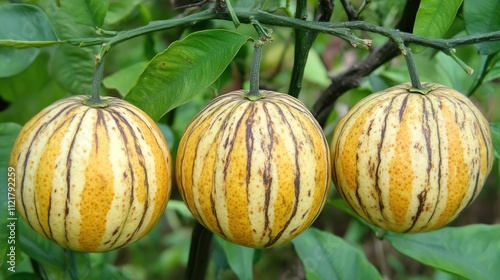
(256, 173)
(409, 162)
(91, 179)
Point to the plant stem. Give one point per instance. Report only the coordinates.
(95, 99)
(246, 16)
(255, 71)
(264, 36)
(199, 253)
(304, 40)
(485, 64)
(412, 69)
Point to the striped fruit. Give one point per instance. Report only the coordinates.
(411, 162)
(91, 179)
(256, 173)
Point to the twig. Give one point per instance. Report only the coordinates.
(349, 10)
(336, 28)
(352, 77)
(304, 40)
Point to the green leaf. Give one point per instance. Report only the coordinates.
(28, 98)
(119, 10)
(87, 12)
(186, 68)
(39, 248)
(472, 252)
(73, 67)
(8, 134)
(327, 256)
(495, 136)
(315, 71)
(482, 16)
(19, 25)
(239, 258)
(434, 18)
(124, 79)
(180, 207)
(168, 134)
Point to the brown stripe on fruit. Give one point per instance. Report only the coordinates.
(235, 177)
(457, 176)
(400, 168)
(281, 225)
(32, 137)
(44, 186)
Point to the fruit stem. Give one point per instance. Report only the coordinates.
(264, 36)
(199, 253)
(95, 99)
(416, 86)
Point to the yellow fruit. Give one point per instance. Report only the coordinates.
(256, 173)
(411, 162)
(91, 179)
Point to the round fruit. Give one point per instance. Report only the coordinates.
(411, 162)
(256, 173)
(91, 179)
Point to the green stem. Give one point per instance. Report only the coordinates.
(460, 62)
(255, 93)
(341, 29)
(485, 64)
(255, 70)
(303, 42)
(412, 69)
(233, 15)
(95, 99)
(363, 7)
(264, 36)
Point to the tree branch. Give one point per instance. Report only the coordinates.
(304, 40)
(351, 78)
(349, 10)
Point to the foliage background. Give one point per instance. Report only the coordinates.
(338, 245)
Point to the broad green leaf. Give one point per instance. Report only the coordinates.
(482, 16)
(28, 98)
(118, 10)
(180, 207)
(86, 12)
(315, 71)
(39, 248)
(73, 67)
(495, 136)
(186, 68)
(342, 205)
(167, 133)
(8, 134)
(327, 256)
(472, 252)
(124, 79)
(434, 18)
(239, 258)
(21, 23)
